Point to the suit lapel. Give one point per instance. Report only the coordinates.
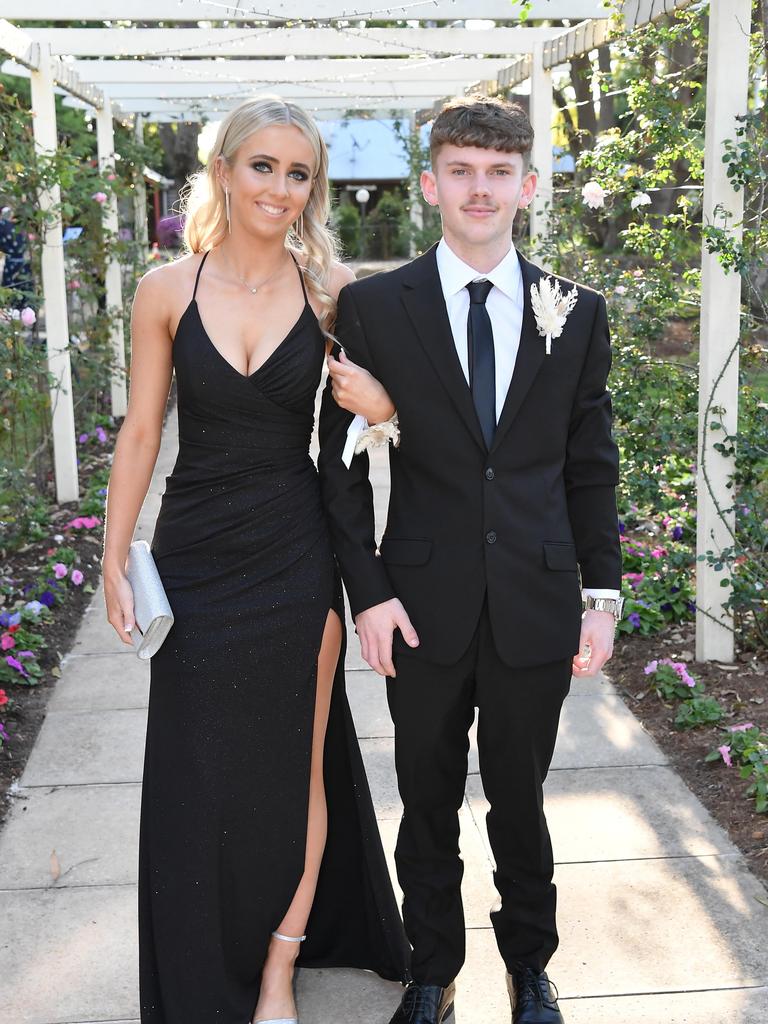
(424, 302)
(530, 355)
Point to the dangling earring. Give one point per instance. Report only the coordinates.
(300, 226)
(226, 203)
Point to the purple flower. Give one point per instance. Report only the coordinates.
(622, 527)
(60, 570)
(76, 577)
(7, 619)
(651, 667)
(47, 598)
(83, 438)
(634, 618)
(666, 606)
(16, 664)
(677, 532)
(101, 435)
(34, 606)
(3, 733)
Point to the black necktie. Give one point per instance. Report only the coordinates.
(482, 361)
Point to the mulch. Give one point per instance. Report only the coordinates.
(742, 689)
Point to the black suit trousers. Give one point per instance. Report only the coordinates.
(433, 707)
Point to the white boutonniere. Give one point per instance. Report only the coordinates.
(379, 434)
(551, 308)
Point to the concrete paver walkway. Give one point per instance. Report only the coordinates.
(660, 920)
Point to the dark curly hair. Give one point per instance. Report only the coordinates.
(487, 123)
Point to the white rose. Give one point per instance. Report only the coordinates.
(641, 199)
(593, 195)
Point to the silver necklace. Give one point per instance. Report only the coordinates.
(255, 288)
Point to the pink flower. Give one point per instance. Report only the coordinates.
(76, 577)
(659, 552)
(111, 177)
(28, 316)
(7, 642)
(651, 667)
(100, 197)
(60, 570)
(74, 285)
(3, 698)
(742, 727)
(725, 753)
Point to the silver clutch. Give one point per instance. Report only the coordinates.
(151, 609)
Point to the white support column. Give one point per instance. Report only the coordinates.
(105, 139)
(54, 291)
(416, 212)
(727, 93)
(541, 158)
(140, 195)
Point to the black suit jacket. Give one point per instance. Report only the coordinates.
(516, 522)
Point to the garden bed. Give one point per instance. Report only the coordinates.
(70, 539)
(742, 689)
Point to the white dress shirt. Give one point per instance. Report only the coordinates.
(505, 309)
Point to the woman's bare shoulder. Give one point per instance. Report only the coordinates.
(340, 275)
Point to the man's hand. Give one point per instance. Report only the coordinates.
(375, 627)
(596, 643)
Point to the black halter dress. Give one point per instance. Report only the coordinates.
(243, 551)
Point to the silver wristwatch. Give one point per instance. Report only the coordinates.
(615, 605)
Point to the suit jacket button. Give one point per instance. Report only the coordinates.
(489, 474)
(491, 536)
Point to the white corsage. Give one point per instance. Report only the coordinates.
(551, 308)
(361, 437)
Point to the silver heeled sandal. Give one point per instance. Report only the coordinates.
(284, 1020)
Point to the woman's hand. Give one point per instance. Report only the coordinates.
(358, 391)
(118, 597)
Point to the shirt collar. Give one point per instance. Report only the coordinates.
(455, 274)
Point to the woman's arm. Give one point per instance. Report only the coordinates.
(355, 389)
(138, 441)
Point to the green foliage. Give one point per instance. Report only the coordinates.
(699, 711)
(746, 746)
(387, 228)
(25, 430)
(346, 223)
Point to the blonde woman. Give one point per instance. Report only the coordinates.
(257, 830)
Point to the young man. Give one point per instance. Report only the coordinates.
(502, 489)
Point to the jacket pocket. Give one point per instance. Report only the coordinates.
(405, 551)
(560, 556)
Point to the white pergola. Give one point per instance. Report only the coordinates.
(322, 54)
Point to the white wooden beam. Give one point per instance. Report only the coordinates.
(26, 52)
(54, 291)
(140, 226)
(216, 108)
(279, 42)
(384, 69)
(727, 99)
(299, 10)
(105, 142)
(541, 119)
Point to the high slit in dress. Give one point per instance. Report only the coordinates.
(243, 550)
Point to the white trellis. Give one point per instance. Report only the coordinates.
(323, 55)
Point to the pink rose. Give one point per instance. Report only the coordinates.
(28, 316)
(100, 197)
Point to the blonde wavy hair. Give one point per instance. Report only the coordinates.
(203, 203)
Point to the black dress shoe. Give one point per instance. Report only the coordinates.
(533, 998)
(425, 1004)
